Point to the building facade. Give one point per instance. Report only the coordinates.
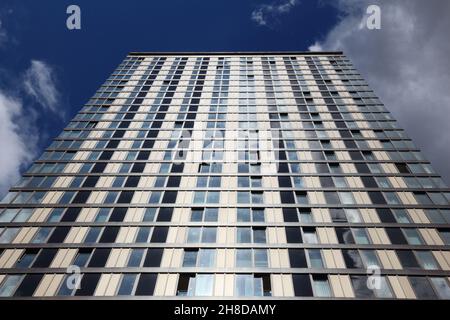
(229, 175)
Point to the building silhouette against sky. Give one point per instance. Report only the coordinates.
(261, 175)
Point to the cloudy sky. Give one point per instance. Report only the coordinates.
(48, 72)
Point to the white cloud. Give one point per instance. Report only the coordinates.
(39, 82)
(18, 141)
(3, 35)
(406, 63)
(266, 13)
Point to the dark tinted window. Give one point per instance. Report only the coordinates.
(159, 234)
(297, 258)
(153, 257)
(28, 285)
(99, 257)
(293, 235)
(352, 259)
(302, 285)
(344, 235)
(88, 284)
(45, 258)
(109, 234)
(396, 236)
(118, 214)
(146, 284)
(290, 215)
(407, 259)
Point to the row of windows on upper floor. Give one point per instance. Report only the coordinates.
(230, 235)
(245, 98)
(237, 285)
(222, 83)
(213, 215)
(269, 73)
(250, 145)
(288, 129)
(233, 168)
(245, 92)
(242, 181)
(317, 259)
(221, 106)
(297, 66)
(127, 76)
(354, 84)
(239, 197)
(88, 120)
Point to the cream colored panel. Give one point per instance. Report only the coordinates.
(177, 258)
(347, 286)
(288, 287)
(102, 284)
(406, 286)
(63, 258)
(171, 285)
(112, 285)
(277, 285)
(229, 285)
(10, 257)
(219, 285)
(336, 287)
(160, 286)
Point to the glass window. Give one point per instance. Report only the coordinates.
(422, 288)
(427, 260)
(8, 215)
(445, 235)
(401, 216)
(391, 198)
(190, 258)
(260, 257)
(211, 214)
(9, 284)
(243, 235)
(206, 258)
(259, 235)
(441, 286)
(41, 235)
(258, 215)
(196, 215)
(321, 286)
(383, 290)
(194, 234)
(243, 258)
(135, 258)
(346, 197)
(244, 285)
(143, 234)
(127, 284)
(315, 258)
(82, 257)
(309, 235)
(204, 285)
(412, 236)
(370, 258)
(26, 259)
(360, 287)
(361, 236)
(353, 215)
(243, 214)
(209, 235)
(23, 215)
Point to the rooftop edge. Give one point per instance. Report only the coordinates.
(215, 53)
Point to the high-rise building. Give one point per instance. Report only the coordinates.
(266, 175)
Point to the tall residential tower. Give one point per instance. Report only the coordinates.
(251, 174)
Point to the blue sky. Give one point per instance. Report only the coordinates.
(48, 72)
